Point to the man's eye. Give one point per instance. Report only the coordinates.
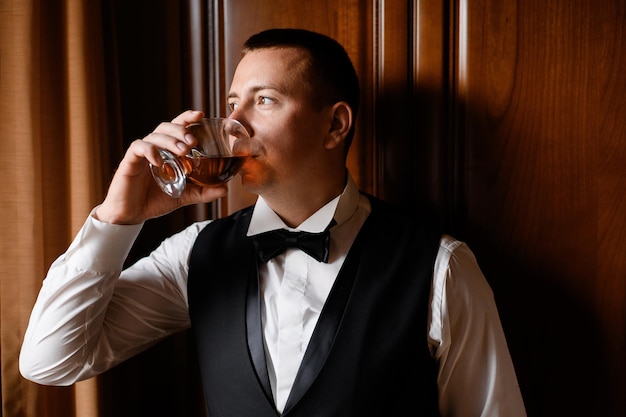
(265, 100)
(232, 106)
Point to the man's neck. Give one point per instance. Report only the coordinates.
(293, 213)
(295, 208)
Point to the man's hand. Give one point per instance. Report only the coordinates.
(133, 195)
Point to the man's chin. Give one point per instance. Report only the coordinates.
(249, 182)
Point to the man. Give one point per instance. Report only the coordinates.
(389, 319)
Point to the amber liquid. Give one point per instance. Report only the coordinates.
(211, 171)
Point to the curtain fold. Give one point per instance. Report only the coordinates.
(58, 130)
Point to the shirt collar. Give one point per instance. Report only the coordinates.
(340, 208)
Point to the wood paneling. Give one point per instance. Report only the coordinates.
(542, 124)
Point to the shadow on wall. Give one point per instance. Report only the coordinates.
(553, 336)
(536, 249)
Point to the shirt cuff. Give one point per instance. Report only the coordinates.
(101, 246)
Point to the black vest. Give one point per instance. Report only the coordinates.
(368, 355)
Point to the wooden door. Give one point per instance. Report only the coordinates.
(540, 127)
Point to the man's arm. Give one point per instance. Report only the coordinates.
(90, 316)
(476, 374)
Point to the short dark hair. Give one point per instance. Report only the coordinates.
(332, 73)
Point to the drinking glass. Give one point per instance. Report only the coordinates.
(222, 149)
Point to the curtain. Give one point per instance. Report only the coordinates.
(59, 133)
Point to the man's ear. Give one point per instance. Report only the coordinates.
(341, 122)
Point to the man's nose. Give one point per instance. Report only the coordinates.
(240, 117)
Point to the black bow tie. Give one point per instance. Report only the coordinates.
(275, 242)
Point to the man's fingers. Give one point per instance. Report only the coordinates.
(195, 194)
(187, 117)
(141, 150)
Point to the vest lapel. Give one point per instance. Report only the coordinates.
(254, 327)
(328, 324)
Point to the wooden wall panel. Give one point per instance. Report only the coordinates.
(541, 116)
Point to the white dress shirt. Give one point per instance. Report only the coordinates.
(91, 315)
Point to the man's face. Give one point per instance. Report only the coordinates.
(271, 95)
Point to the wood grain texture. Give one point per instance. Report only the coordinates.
(543, 131)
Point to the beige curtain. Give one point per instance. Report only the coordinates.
(54, 164)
